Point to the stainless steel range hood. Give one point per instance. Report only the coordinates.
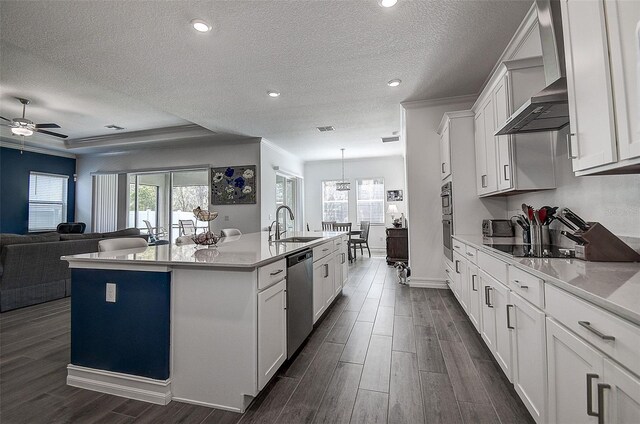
(549, 109)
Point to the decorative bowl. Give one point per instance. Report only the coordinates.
(206, 239)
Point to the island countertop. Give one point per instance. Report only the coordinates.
(614, 286)
(245, 251)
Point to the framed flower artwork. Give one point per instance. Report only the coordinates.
(234, 185)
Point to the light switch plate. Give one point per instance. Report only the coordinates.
(111, 292)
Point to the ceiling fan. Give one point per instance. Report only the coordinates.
(25, 127)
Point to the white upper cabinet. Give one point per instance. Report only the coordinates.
(602, 45)
(501, 100)
(485, 144)
(445, 153)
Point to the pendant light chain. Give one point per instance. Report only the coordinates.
(343, 185)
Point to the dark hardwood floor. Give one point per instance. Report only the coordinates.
(383, 353)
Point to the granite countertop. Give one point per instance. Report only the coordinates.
(246, 251)
(614, 286)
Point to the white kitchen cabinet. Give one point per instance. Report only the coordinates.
(503, 142)
(572, 365)
(272, 331)
(592, 141)
(621, 391)
(338, 270)
(460, 269)
(345, 262)
(487, 312)
(494, 329)
(529, 354)
(445, 153)
(318, 290)
(474, 295)
(485, 144)
(329, 273)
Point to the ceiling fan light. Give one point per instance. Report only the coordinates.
(387, 3)
(21, 131)
(200, 25)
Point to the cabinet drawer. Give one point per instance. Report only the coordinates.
(271, 273)
(459, 247)
(527, 286)
(323, 250)
(337, 243)
(493, 266)
(596, 325)
(472, 255)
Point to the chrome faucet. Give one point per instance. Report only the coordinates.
(277, 222)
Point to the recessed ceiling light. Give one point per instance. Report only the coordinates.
(387, 3)
(394, 83)
(273, 93)
(200, 25)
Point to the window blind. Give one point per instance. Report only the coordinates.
(105, 203)
(47, 201)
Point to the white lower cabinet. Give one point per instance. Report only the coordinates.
(487, 312)
(272, 331)
(620, 395)
(324, 290)
(460, 268)
(474, 295)
(529, 356)
(499, 298)
(329, 281)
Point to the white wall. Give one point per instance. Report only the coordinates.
(420, 122)
(240, 152)
(390, 168)
(612, 200)
(271, 156)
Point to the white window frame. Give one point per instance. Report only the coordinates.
(64, 203)
(332, 201)
(382, 200)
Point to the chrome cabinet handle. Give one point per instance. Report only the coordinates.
(473, 282)
(470, 254)
(487, 300)
(326, 270)
(482, 181)
(509, 326)
(343, 258)
(570, 147)
(506, 172)
(285, 299)
(443, 167)
(324, 250)
(456, 246)
(520, 285)
(601, 387)
(457, 269)
(590, 410)
(587, 325)
(276, 272)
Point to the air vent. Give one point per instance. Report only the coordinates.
(325, 129)
(114, 127)
(390, 139)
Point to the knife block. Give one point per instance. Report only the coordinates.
(604, 246)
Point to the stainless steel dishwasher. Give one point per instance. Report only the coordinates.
(299, 299)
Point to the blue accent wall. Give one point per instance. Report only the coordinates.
(14, 185)
(130, 336)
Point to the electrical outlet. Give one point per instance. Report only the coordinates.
(111, 292)
(226, 217)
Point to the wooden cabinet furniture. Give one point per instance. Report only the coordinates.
(397, 245)
(511, 163)
(601, 48)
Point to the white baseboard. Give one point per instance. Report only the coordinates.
(118, 384)
(427, 283)
(208, 405)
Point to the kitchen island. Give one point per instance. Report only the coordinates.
(203, 325)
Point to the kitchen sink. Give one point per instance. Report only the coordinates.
(297, 239)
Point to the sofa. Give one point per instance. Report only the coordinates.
(31, 270)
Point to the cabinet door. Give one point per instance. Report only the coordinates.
(623, 24)
(337, 280)
(329, 279)
(458, 265)
(622, 396)
(474, 296)
(570, 361)
(445, 153)
(345, 262)
(487, 313)
(272, 331)
(463, 277)
(491, 179)
(481, 152)
(529, 355)
(318, 289)
(499, 298)
(503, 142)
(593, 134)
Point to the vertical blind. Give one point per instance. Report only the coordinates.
(47, 201)
(370, 200)
(105, 203)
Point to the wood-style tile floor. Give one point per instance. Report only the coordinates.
(383, 353)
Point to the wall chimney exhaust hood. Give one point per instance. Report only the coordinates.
(549, 109)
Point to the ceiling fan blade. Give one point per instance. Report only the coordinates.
(2, 117)
(51, 133)
(47, 126)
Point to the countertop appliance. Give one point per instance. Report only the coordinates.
(299, 299)
(447, 219)
(497, 228)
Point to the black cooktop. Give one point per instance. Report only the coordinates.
(524, 251)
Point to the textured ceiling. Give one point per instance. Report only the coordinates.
(140, 65)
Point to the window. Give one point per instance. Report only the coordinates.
(370, 200)
(335, 204)
(47, 201)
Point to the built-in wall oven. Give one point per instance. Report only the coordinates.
(447, 219)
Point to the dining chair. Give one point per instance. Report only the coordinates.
(187, 227)
(344, 227)
(328, 225)
(109, 245)
(155, 233)
(363, 240)
(228, 232)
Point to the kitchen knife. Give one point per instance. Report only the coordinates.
(565, 222)
(574, 238)
(580, 223)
